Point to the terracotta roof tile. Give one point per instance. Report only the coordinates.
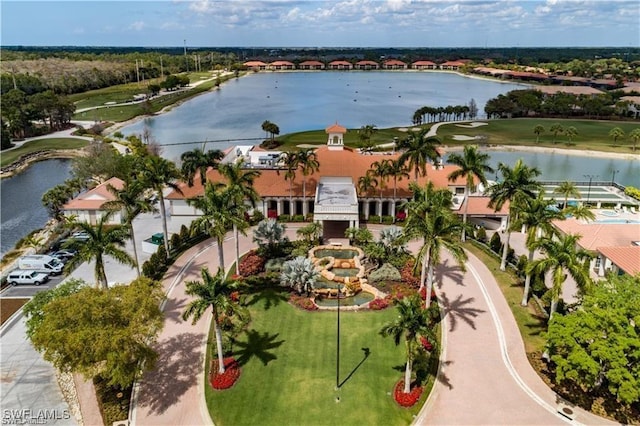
(96, 197)
(335, 128)
(595, 234)
(626, 258)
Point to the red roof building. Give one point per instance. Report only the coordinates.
(340, 65)
(366, 65)
(281, 65)
(394, 64)
(311, 65)
(424, 65)
(255, 65)
(87, 207)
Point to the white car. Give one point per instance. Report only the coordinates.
(19, 276)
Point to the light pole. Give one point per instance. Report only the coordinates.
(338, 347)
(589, 188)
(613, 178)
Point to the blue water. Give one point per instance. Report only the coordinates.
(618, 221)
(300, 101)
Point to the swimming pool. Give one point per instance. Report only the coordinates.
(609, 213)
(619, 221)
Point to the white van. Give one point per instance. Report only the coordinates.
(19, 276)
(41, 263)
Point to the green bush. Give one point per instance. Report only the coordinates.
(256, 217)
(274, 265)
(521, 265)
(481, 235)
(374, 219)
(284, 218)
(632, 191)
(184, 232)
(175, 241)
(387, 220)
(298, 218)
(495, 244)
(386, 272)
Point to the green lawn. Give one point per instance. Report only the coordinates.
(289, 370)
(43, 144)
(592, 134)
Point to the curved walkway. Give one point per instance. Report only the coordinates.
(485, 376)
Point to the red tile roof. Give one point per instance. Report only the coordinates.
(423, 63)
(626, 258)
(96, 197)
(281, 63)
(335, 128)
(574, 90)
(254, 64)
(366, 63)
(595, 234)
(311, 63)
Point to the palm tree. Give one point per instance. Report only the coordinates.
(367, 184)
(103, 239)
(562, 256)
(635, 137)
(307, 160)
(580, 212)
(412, 322)
(310, 233)
(380, 172)
(197, 162)
(536, 215)
(218, 215)
(419, 149)
(556, 129)
(518, 182)
(214, 292)
(290, 160)
(537, 130)
(472, 165)
(364, 135)
(132, 200)
(397, 171)
(571, 133)
(157, 173)
(616, 133)
(568, 189)
(430, 218)
(240, 185)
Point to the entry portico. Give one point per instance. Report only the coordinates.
(336, 200)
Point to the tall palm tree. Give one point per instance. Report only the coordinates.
(539, 128)
(419, 149)
(568, 189)
(218, 215)
(157, 173)
(380, 172)
(103, 239)
(213, 291)
(616, 133)
(472, 165)
(132, 200)
(307, 160)
(518, 182)
(397, 171)
(411, 323)
(290, 161)
(430, 218)
(580, 212)
(366, 185)
(562, 256)
(197, 162)
(536, 215)
(635, 137)
(240, 185)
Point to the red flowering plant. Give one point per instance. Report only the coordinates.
(400, 291)
(379, 304)
(423, 294)
(228, 378)
(426, 344)
(407, 275)
(302, 302)
(251, 264)
(406, 399)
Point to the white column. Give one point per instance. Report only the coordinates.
(279, 207)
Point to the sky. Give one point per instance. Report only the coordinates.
(322, 23)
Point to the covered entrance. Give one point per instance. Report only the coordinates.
(336, 206)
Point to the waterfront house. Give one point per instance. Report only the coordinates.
(88, 206)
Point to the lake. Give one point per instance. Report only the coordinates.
(21, 199)
(298, 101)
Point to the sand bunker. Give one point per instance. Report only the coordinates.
(463, 138)
(472, 125)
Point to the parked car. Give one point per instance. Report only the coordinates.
(41, 263)
(80, 235)
(64, 255)
(20, 276)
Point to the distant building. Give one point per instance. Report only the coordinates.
(366, 65)
(394, 64)
(340, 65)
(88, 206)
(424, 65)
(256, 65)
(311, 65)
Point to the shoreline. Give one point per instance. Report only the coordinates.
(546, 150)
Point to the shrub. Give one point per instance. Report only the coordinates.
(226, 379)
(400, 291)
(423, 294)
(379, 304)
(406, 399)
(284, 218)
(251, 264)
(387, 272)
(302, 302)
(256, 217)
(481, 234)
(184, 232)
(521, 265)
(298, 218)
(175, 242)
(495, 242)
(407, 276)
(632, 191)
(374, 219)
(274, 265)
(387, 220)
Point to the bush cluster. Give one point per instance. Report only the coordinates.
(302, 302)
(379, 304)
(406, 399)
(406, 275)
(226, 379)
(251, 264)
(632, 191)
(386, 272)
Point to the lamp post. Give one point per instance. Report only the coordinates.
(589, 188)
(338, 347)
(613, 178)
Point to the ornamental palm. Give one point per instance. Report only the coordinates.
(412, 322)
(132, 200)
(290, 160)
(419, 149)
(472, 164)
(397, 171)
(562, 255)
(568, 189)
(635, 137)
(536, 215)
(380, 172)
(616, 133)
(539, 128)
(518, 182)
(215, 292)
(218, 215)
(103, 240)
(240, 185)
(307, 160)
(156, 174)
(197, 162)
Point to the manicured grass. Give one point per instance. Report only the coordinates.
(592, 134)
(43, 144)
(288, 359)
(530, 321)
(351, 139)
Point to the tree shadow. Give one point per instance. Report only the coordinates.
(446, 270)
(174, 308)
(257, 345)
(442, 377)
(270, 297)
(177, 367)
(366, 352)
(457, 310)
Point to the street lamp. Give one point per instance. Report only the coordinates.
(589, 189)
(338, 347)
(613, 178)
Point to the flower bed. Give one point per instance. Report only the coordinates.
(378, 304)
(251, 264)
(302, 302)
(426, 344)
(406, 399)
(226, 379)
(423, 294)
